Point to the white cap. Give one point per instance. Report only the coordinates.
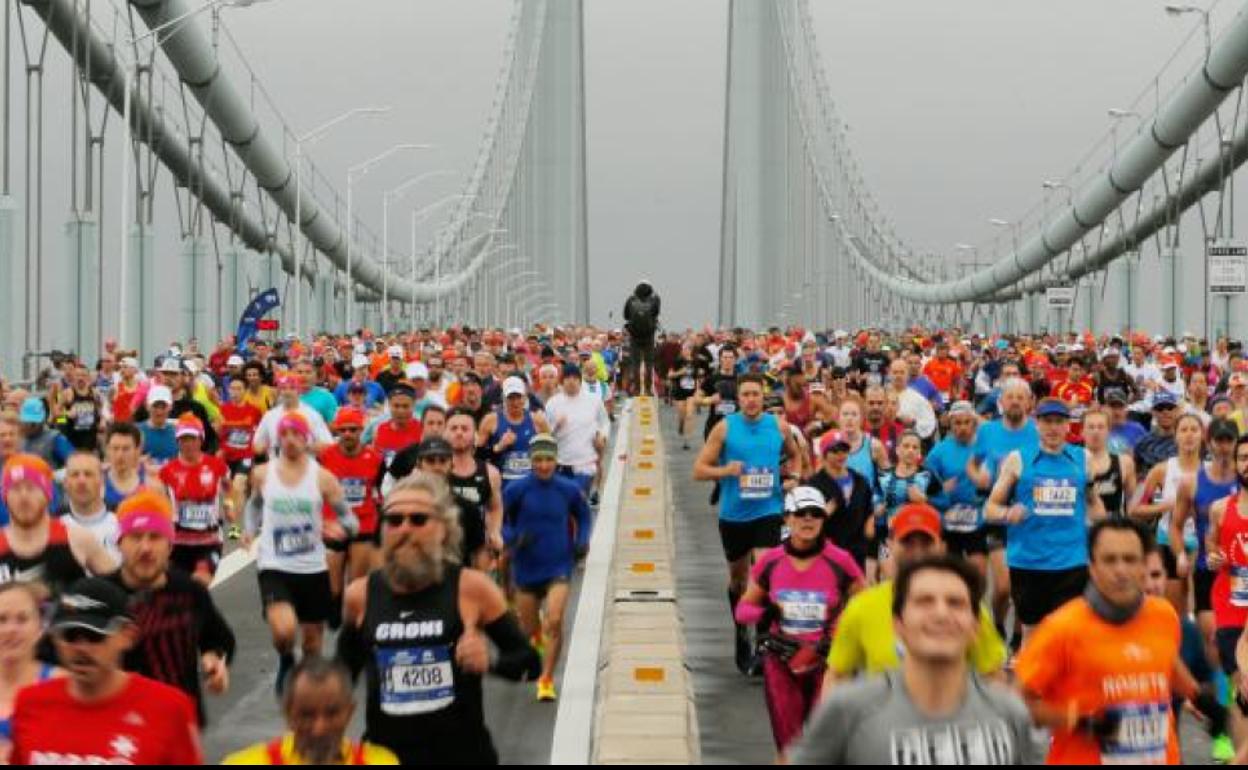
(359, 361)
(1111, 351)
(130, 361)
(839, 333)
(514, 386)
(171, 365)
(394, 351)
(234, 360)
(1168, 352)
(802, 498)
(417, 371)
(158, 394)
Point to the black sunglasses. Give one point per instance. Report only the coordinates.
(809, 513)
(77, 634)
(415, 519)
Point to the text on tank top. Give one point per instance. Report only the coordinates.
(476, 488)
(291, 537)
(1108, 486)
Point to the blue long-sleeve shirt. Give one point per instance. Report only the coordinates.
(537, 529)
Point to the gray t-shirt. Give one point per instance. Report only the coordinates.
(873, 722)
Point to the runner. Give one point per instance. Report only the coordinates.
(125, 393)
(84, 498)
(907, 482)
(797, 591)
(850, 498)
(81, 410)
(258, 394)
(38, 439)
(289, 389)
(99, 714)
(402, 429)
(959, 501)
(477, 484)
(318, 708)
(239, 421)
(313, 395)
(21, 625)
(36, 547)
(1113, 474)
(182, 637)
(936, 709)
(1100, 671)
(357, 468)
(285, 511)
(198, 484)
(547, 525)
(743, 453)
(419, 627)
(1047, 546)
(682, 388)
(581, 427)
(433, 421)
(506, 433)
(718, 390)
(126, 472)
(160, 443)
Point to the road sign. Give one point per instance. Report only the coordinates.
(1228, 269)
(1060, 297)
(268, 325)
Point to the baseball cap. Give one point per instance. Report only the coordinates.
(234, 361)
(1223, 429)
(961, 407)
(434, 446)
(348, 416)
(1164, 398)
(1169, 363)
(1115, 396)
(34, 411)
(832, 440)
(543, 445)
(159, 394)
(514, 386)
(417, 371)
(394, 351)
(356, 387)
(402, 389)
(171, 365)
(916, 517)
(130, 361)
(92, 603)
(188, 425)
(802, 498)
(469, 377)
(1052, 407)
(1110, 352)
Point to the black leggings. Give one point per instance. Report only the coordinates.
(642, 352)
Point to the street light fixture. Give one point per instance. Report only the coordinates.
(393, 194)
(360, 169)
(1180, 10)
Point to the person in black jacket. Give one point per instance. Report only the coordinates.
(641, 320)
(849, 495)
(181, 633)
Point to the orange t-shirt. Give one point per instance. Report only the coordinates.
(942, 372)
(1076, 660)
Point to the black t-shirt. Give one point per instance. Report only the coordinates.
(726, 387)
(871, 366)
(388, 379)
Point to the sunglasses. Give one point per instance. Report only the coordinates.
(77, 634)
(810, 513)
(415, 519)
(436, 459)
(349, 429)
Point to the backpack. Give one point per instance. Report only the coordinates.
(641, 321)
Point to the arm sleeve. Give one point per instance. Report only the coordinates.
(215, 634)
(352, 650)
(254, 513)
(584, 520)
(345, 516)
(517, 660)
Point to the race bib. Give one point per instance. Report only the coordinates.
(875, 380)
(1239, 586)
(1054, 497)
(517, 465)
(1143, 730)
(802, 612)
(686, 383)
(294, 541)
(197, 516)
(962, 518)
(758, 484)
(354, 490)
(238, 438)
(84, 417)
(415, 680)
(725, 408)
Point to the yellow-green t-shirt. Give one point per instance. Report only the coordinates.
(259, 754)
(865, 641)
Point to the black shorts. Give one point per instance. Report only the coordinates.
(1171, 563)
(240, 467)
(195, 558)
(966, 543)
(741, 537)
(995, 536)
(340, 546)
(309, 595)
(1038, 592)
(1202, 586)
(1227, 639)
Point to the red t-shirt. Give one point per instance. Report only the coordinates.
(147, 723)
(390, 440)
(358, 476)
(123, 402)
(196, 493)
(238, 428)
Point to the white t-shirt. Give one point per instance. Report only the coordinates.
(575, 422)
(102, 525)
(267, 432)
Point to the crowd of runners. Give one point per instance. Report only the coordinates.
(940, 546)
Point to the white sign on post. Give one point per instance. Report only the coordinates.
(1228, 269)
(1060, 297)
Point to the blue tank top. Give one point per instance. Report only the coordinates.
(514, 463)
(1053, 534)
(894, 490)
(758, 492)
(114, 496)
(1208, 492)
(862, 461)
(6, 724)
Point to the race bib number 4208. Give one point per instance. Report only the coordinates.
(416, 680)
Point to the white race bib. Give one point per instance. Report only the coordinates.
(802, 612)
(416, 680)
(686, 383)
(1239, 586)
(197, 516)
(962, 518)
(239, 438)
(1054, 497)
(1143, 732)
(758, 483)
(517, 465)
(353, 490)
(294, 541)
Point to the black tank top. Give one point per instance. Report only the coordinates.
(473, 495)
(82, 421)
(55, 567)
(420, 704)
(1109, 486)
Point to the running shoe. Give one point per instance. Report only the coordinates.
(546, 690)
(1222, 750)
(593, 498)
(744, 654)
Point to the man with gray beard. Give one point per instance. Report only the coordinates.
(418, 627)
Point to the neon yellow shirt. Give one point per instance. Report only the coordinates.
(259, 754)
(865, 641)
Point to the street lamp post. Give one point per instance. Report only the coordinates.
(393, 194)
(360, 169)
(308, 139)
